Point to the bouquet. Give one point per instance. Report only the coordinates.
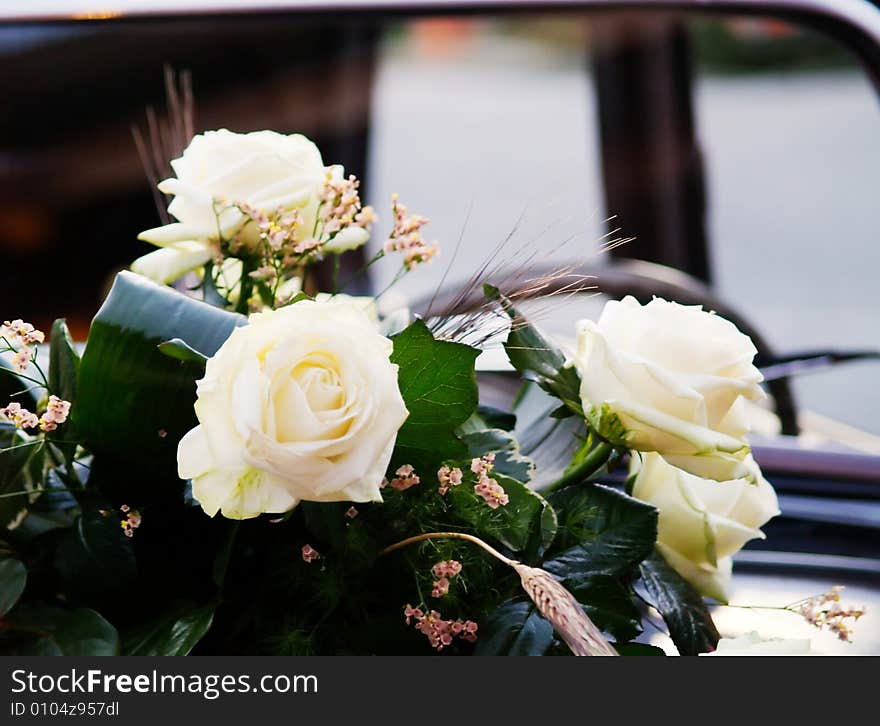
(244, 464)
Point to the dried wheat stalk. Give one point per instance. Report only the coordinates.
(553, 601)
(563, 612)
(168, 136)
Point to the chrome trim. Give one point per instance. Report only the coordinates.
(859, 14)
(770, 562)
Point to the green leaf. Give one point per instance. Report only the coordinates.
(439, 386)
(686, 615)
(603, 536)
(63, 375)
(508, 458)
(134, 403)
(549, 442)
(94, 556)
(12, 388)
(63, 362)
(326, 521)
(517, 524)
(35, 629)
(175, 632)
(515, 628)
(531, 352)
(177, 349)
(495, 418)
(13, 578)
(603, 528)
(38, 523)
(22, 469)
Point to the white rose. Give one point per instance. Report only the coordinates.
(753, 644)
(669, 378)
(702, 523)
(266, 169)
(300, 404)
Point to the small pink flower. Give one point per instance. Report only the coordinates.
(366, 218)
(56, 413)
(446, 568)
(483, 465)
(440, 632)
(441, 587)
(412, 613)
(309, 554)
(22, 359)
(470, 631)
(492, 492)
(448, 478)
(20, 332)
(405, 478)
(20, 417)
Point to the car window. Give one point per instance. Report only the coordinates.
(786, 122)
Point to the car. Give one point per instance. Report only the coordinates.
(730, 145)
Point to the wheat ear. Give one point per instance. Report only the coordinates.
(553, 601)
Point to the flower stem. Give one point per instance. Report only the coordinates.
(336, 265)
(591, 463)
(373, 260)
(449, 535)
(556, 604)
(245, 286)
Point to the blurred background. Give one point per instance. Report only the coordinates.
(740, 153)
(743, 151)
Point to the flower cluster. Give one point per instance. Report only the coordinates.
(20, 417)
(486, 487)
(341, 204)
(20, 337)
(448, 478)
(56, 413)
(826, 611)
(405, 477)
(287, 240)
(309, 553)
(272, 237)
(21, 332)
(443, 571)
(131, 521)
(446, 568)
(439, 632)
(406, 237)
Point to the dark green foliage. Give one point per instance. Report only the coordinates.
(439, 386)
(188, 583)
(686, 615)
(135, 403)
(38, 629)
